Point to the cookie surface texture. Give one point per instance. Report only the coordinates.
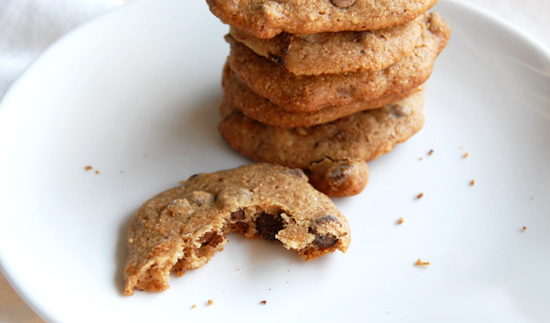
(238, 96)
(328, 53)
(267, 18)
(362, 136)
(181, 228)
(308, 93)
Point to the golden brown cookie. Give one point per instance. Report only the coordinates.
(267, 18)
(307, 93)
(238, 96)
(181, 228)
(360, 137)
(337, 52)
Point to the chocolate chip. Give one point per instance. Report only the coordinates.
(325, 219)
(268, 225)
(238, 215)
(338, 175)
(342, 3)
(325, 240)
(211, 238)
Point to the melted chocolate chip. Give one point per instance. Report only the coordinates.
(342, 3)
(325, 240)
(238, 215)
(338, 175)
(268, 225)
(325, 219)
(211, 238)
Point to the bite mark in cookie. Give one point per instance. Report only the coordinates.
(182, 228)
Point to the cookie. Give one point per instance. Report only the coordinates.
(328, 53)
(309, 93)
(181, 228)
(267, 18)
(238, 96)
(362, 137)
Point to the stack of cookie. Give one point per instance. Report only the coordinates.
(326, 85)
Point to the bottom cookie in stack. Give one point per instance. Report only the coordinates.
(332, 154)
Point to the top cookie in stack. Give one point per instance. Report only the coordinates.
(326, 85)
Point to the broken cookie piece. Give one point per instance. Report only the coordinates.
(181, 229)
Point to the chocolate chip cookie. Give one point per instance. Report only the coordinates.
(267, 18)
(238, 96)
(307, 93)
(337, 52)
(181, 228)
(358, 138)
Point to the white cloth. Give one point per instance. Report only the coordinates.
(27, 27)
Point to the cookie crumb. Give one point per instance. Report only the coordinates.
(400, 220)
(263, 302)
(122, 172)
(524, 229)
(130, 241)
(465, 155)
(472, 182)
(210, 302)
(193, 306)
(97, 172)
(145, 155)
(430, 152)
(87, 168)
(422, 263)
(238, 269)
(420, 158)
(420, 195)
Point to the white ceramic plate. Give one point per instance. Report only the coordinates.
(135, 95)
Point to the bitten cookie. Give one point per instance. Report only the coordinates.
(362, 136)
(307, 93)
(238, 96)
(181, 228)
(328, 53)
(267, 18)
